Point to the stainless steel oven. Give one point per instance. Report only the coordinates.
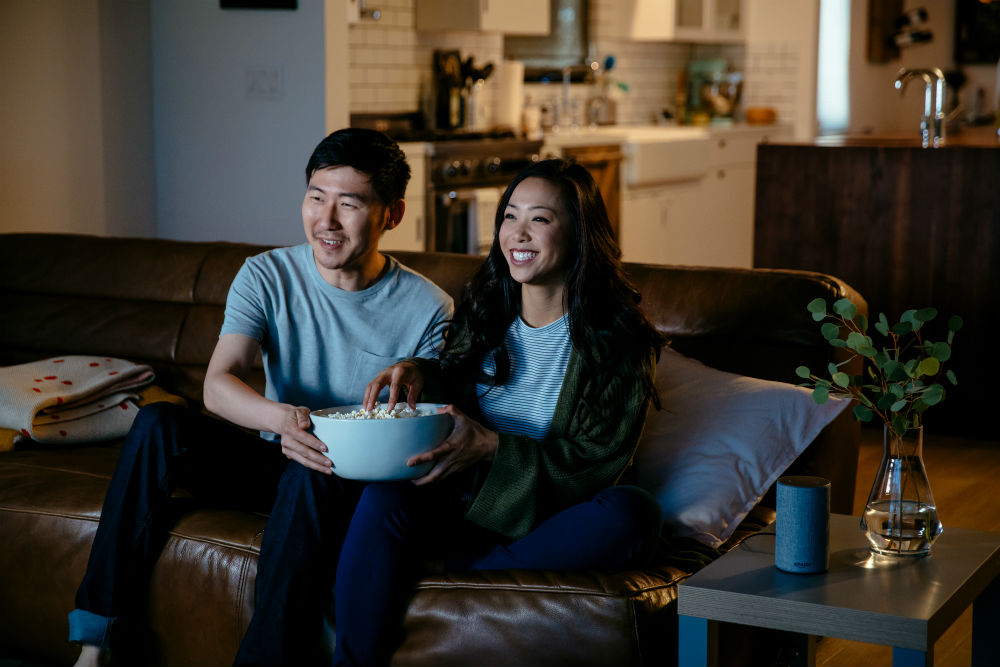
(466, 173)
(466, 178)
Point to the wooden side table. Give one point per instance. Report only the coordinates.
(903, 603)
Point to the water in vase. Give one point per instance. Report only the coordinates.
(901, 527)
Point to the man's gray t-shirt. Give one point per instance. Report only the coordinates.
(322, 345)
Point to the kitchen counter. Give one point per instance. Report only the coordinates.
(978, 137)
(584, 136)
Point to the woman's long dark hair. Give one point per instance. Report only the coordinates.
(607, 326)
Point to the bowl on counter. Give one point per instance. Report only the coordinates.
(374, 450)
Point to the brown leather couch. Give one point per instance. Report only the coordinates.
(161, 302)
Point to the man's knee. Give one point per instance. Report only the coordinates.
(155, 416)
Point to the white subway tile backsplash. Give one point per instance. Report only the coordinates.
(391, 63)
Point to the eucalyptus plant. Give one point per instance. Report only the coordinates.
(901, 377)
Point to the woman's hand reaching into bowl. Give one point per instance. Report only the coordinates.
(468, 443)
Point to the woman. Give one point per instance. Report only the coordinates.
(548, 369)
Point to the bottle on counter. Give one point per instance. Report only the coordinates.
(531, 120)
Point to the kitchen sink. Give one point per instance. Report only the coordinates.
(654, 154)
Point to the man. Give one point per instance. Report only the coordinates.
(327, 316)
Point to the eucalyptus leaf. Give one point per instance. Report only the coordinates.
(894, 371)
(897, 380)
(845, 308)
(902, 328)
(933, 395)
(883, 325)
(930, 366)
(856, 340)
(817, 305)
(867, 351)
(900, 424)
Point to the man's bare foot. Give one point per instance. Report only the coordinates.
(91, 656)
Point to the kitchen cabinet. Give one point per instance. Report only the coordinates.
(707, 220)
(660, 224)
(604, 164)
(728, 195)
(411, 234)
(510, 17)
(680, 20)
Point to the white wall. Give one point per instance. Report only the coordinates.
(76, 121)
(230, 161)
(876, 106)
(781, 60)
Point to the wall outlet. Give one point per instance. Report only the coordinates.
(264, 83)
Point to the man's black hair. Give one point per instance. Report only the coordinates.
(370, 152)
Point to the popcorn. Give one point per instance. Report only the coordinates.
(401, 410)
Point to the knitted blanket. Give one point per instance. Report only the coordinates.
(71, 399)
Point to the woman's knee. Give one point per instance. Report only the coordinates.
(633, 505)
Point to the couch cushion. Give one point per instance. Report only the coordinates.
(720, 442)
(50, 502)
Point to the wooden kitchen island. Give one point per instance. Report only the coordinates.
(908, 227)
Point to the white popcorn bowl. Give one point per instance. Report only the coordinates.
(376, 450)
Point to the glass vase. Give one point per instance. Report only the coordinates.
(901, 517)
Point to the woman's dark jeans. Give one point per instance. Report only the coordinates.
(397, 525)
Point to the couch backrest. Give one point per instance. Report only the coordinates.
(161, 302)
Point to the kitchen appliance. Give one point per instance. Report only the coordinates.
(459, 85)
(713, 93)
(467, 172)
(466, 180)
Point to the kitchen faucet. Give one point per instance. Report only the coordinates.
(565, 118)
(932, 122)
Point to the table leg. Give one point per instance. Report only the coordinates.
(697, 642)
(985, 621)
(908, 657)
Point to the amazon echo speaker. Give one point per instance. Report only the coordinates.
(802, 527)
